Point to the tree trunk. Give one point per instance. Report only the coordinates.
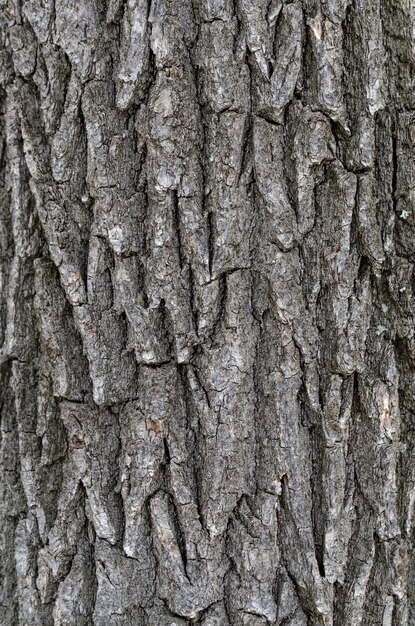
(207, 372)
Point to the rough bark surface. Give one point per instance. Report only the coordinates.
(207, 314)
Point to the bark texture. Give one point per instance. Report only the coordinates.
(207, 314)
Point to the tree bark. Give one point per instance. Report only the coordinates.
(207, 313)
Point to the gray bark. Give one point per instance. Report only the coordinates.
(207, 314)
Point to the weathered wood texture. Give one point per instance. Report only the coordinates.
(207, 257)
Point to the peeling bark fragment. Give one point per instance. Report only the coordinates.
(185, 595)
(226, 371)
(93, 438)
(337, 490)
(224, 77)
(228, 194)
(23, 44)
(58, 333)
(77, 588)
(122, 589)
(144, 426)
(279, 219)
(276, 80)
(55, 558)
(371, 235)
(147, 332)
(77, 27)
(338, 264)
(404, 198)
(134, 68)
(326, 66)
(40, 13)
(254, 574)
(379, 421)
(311, 146)
(335, 10)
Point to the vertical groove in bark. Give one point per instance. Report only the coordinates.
(207, 313)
